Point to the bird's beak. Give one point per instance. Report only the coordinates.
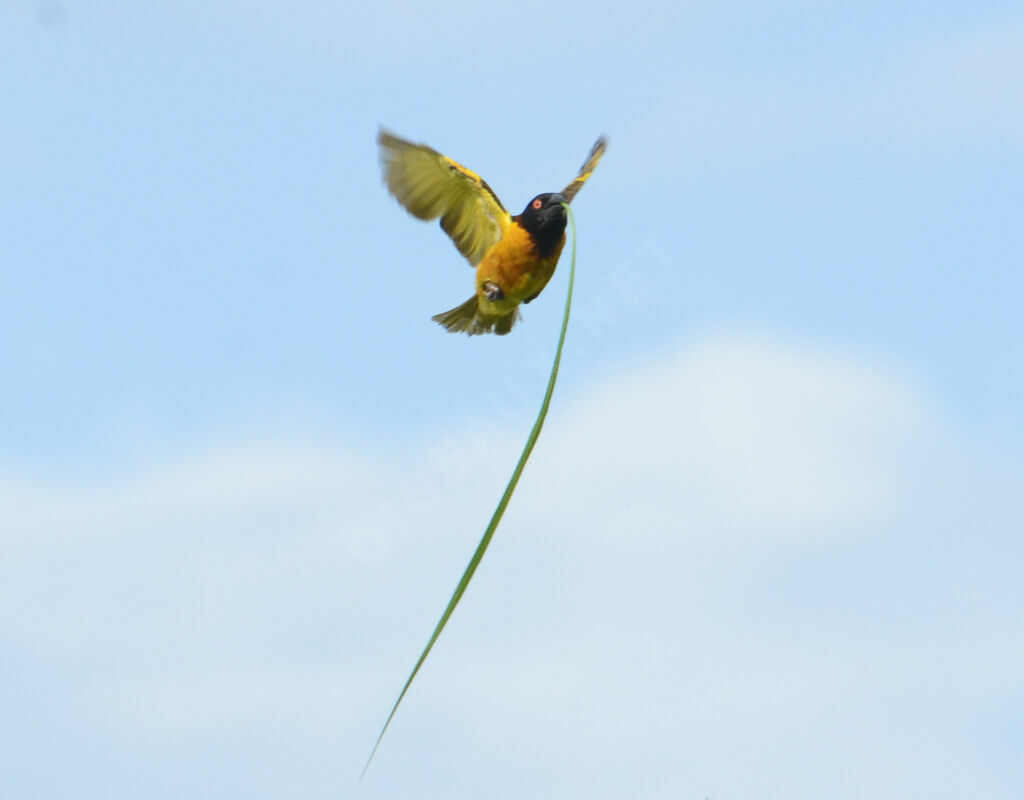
(556, 199)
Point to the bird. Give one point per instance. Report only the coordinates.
(514, 256)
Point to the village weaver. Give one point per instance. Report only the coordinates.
(514, 257)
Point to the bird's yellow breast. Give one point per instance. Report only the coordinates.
(514, 265)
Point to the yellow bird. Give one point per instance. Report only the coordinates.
(514, 257)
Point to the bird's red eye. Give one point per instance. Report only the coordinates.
(537, 203)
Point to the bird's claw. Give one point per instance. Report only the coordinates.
(492, 291)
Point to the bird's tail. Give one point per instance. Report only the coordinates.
(467, 318)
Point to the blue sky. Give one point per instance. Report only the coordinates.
(768, 544)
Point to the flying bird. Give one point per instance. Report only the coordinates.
(514, 256)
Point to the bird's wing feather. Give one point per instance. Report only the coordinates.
(588, 167)
(430, 185)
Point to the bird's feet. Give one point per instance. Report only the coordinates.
(492, 291)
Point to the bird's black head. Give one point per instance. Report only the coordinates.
(544, 218)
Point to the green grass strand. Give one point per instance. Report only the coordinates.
(492, 526)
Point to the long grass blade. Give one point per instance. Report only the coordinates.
(492, 526)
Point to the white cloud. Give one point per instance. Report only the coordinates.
(709, 581)
(226, 697)
(754, 433)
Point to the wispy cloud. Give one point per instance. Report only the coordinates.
(709, 554)
(755, 434)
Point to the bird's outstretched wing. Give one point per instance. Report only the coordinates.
(430, 185)
(569, 192)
